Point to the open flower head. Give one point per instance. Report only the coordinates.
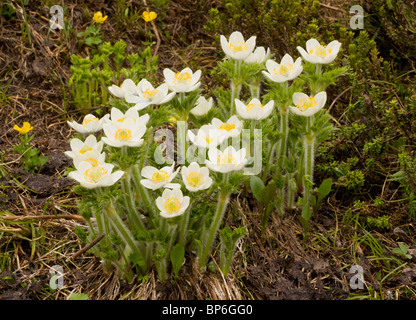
(26, 127)
(231, 128)
(254, 110)
(208, 136)
(157, 178)
(183, 81)
(227, 160)
(90, 124)
(202, 106)
(236, 47)
(259, 56)
(127, 87)
(80, 150)
(149, 16)
(91, 175)
(307, 105)
(196, 178)
(172, 203)
(99, 18)
(285, 70)
(116, 115)
(320, 54)
(145, 95)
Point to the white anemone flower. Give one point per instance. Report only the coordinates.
(208, 136)
(90, 124)
(126, 88)
(94, 157)
(172, 203)
(92, 176)
(236, 47)
(183, 81)
(307, 105)
(131, 114)
(227, 160)
(128, 133)
(260, 55)
(320, 54)
(146, 95)
(202, 106)
(254, 110)
(196, 178)
(157, 178)
(285, 71)
(79, 148)
(231, 128)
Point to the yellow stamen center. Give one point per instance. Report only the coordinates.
(319, 51)
(283, 69)
(227, 126)
(149, 94)
(94, 174)
(123, 135)
(238, 46)
(182, 78)
(160, 176)
(92, 161)
(172, 205)
(306, 103)
(195, 179)
(252, 105)
(226, 158)
(209, 140)
(125, 118)
(84, 149)
(88, 120)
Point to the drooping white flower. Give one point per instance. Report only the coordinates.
(285, 71)
(196, 178)
(126, 88)
(183, 81)
(202, 106)
(231, 128)
(208, 136)
(307, 105)
(146, 95)
(260, 55)
(157, 178)
(90, 124)
(236, 47)
(254, 110)
(227, 160)
(320, 54)
(172, 203)
(92, 176)
(79, 148)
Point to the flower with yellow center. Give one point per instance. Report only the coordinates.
(90, 124)
(183, 81)
(156, 178)
(98, 17)
(93, 175)
(254, 110)
(236, 47)
(126, 88)
(26, 127)
(227, 160)
(308, 105)
(172, 203)
(231, 128)
(146, 95)
(285, 71)
(320, 54)
(89, 150)
(208, 136)
(196, 178)
(149, 16)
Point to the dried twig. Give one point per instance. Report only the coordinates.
(88, 246)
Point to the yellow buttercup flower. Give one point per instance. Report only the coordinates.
(24, 129)
(98, 17)
(149, 16)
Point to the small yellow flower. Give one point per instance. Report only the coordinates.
(98, 17)
(149, 16)
(24, 129)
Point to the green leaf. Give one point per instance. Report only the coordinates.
(79, 296)
(325, 188)
(268, 193)
(177, 257)
(257, 186)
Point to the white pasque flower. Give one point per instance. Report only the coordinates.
(196, 178)
(79, 149)
(231, 128)
(126, 88)
(321, 54)
(254, 110)
(208, 136)
(183, 81)
(157, 178)
(285, 71)
(90, 124)
(260, 55)
(146, 95)
(92, 176)
(125, 129)
(172, 203)
(202, 106)
(227, 160)
(236, 47)
(307, 105)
